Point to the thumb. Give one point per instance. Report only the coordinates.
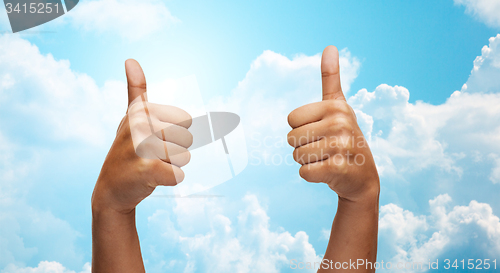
(330, 74)
(135, 79)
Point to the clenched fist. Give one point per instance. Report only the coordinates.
(158, 133)
(149, 149)
(328, 141)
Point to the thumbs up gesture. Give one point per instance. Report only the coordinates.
(328, 141)
(149, 149)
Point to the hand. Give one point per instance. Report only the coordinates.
(125, 178)
(328, 141)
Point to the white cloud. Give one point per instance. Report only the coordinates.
(349, 69)
(222, 244)
(28, 233)
(11, 169)
(409, 137)
(44, 267)
(403, 224)
(495, 172)
(420, 238)
(403, 135)
(487, 11)
(42, 100)
(12, 246)
(49, 100)
(484, 75)
(131, 19)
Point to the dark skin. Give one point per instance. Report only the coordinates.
(331, 149)
(125, 180)
(317, 129)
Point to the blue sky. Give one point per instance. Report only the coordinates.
(404, 66)
(397, 41)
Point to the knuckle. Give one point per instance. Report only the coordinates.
(135, 109)
(341, 167)
(344, 108)
(137, 83)
(155, 165)
(330, 106)
(337, 107)
(336, 126)
(329, 71)
(343, 170)
(341, 126)
(148, 145)
(325, 167)
(145, 165)
(344, 122)
(348, 146)
(332, 125)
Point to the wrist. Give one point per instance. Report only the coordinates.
(97, 201)
(105, 218)
(367, 199)
(102, 202)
